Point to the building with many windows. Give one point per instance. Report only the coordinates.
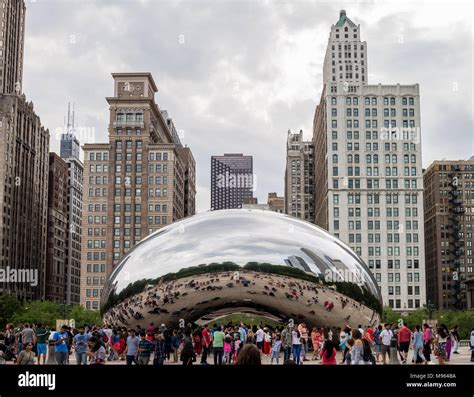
(368, 175)
(231, 180)
(276, 203)
(12, 32)
(57, 230)
(449, 216)
(70, 153)
(299, 177)
(24, 149)
(138, 182)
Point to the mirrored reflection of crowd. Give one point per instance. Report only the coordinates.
(160, 298)
(230, 344)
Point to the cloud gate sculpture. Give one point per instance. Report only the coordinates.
(241, 261)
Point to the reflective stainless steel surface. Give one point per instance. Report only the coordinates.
(238, 236)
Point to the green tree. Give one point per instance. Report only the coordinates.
(47, 312)
(9, 305)
(463, 319)
(83, 316)
(38, 312)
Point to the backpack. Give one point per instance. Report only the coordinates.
(367, 354)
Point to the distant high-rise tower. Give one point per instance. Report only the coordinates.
(70, 146)
(368, 174)
(70, 153)
(12, 32)
(231, 180)
(299, 177)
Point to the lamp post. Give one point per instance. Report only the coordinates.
(429, 308)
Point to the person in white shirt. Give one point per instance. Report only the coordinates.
(259, 335)
(385, 337)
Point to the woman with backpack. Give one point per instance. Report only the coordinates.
(187, 354)
(361, 352)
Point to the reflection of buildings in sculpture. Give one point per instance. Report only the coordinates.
(326, 268)
(349, 275)
(298, 263)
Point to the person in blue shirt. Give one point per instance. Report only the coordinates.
(159, 348)
(175, 342)
(131, 350)
(80, 346)
(145, 347)
(61, 350)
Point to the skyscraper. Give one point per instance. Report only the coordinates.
(369, 183)
(299, 177)
(141, 180)
(448, 200)
(70, 146)
(12, 32)
(55, 280)
(70, 153)
(231, 180)
(24, 150)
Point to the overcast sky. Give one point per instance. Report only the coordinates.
(236, 75)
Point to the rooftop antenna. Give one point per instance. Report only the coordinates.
(68, 125)
(73, 113)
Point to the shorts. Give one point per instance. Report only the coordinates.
(378, 348)
(41, 348)
(404, 347)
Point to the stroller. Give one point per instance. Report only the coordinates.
(6, 354)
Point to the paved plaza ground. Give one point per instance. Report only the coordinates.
(456, 359)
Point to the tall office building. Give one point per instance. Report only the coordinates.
(70, 153)
(369, 182)
(449, 216)
(24, 150)
(299, 177)
(141, 180)
(231, 180)
(12, 34)
(55, 282)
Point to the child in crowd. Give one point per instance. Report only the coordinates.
(227, 349)
(276, 349)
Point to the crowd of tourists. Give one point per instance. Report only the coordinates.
(30, 344)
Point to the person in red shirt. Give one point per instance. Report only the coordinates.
(206, 344)
(370, 332)
(328, 353)
(404, 338)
